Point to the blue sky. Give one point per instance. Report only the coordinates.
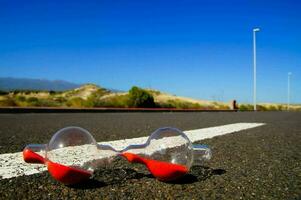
(200, 49)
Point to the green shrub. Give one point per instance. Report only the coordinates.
(298, 109)
(47, 103)
(219, 106)
(280, 107)
(60, 100)
(21, 98)
(118, 101)
(179, 104)
(261, 108)
(222, 107)
(52, 92)
(3, 92)
(32, 100)
(272, 107)
(100, 92)
(140, 98)
(154, 92)
(16, 92)
(93, 99)
(76, 102)
(8, 102)
(245, 107)
(89, 103)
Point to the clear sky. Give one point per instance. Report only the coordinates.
(200, 49)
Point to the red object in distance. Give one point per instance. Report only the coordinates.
(62, 173)
(163, 171)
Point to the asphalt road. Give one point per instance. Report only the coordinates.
(259, 163)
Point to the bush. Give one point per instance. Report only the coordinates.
(280, 107)
(21, 98)
(3, 92)
(298, 109)
(76, 102)
(219, 106)
(8, 102)
(93, 99)
(272, 107)
(46, 103)
(249, 107)
(32, 100)
(118, 101)
(60, 100)
(52, 92)
(245, 107)
(261, 108)
(154, 92)
(140, 98)
(181, 104)
(222, 107)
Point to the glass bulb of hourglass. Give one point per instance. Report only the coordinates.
(168, 154)
(70, 156)
(74, 147)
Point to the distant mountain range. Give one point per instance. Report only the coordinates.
(8, 84)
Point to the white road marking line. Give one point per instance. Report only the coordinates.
(12, 164)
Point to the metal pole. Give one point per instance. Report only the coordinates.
(254, 67)
(288, 89)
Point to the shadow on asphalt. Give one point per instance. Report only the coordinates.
(187, 179)
(89, 184)
(108, 177)
(198, 174)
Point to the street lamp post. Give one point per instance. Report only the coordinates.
(288, 89)
(254, 63)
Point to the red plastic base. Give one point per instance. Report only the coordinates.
(62, 173)
(32, 157)
(67, 175)
(164, 171)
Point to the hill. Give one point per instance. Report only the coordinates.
(91, 95)
(9, 84)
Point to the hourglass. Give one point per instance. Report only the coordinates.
(72, 154)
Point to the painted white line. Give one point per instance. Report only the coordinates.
(12, 164)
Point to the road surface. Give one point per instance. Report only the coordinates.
(263, 162)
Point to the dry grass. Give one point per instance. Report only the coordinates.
(162, 98)
(83, 92)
